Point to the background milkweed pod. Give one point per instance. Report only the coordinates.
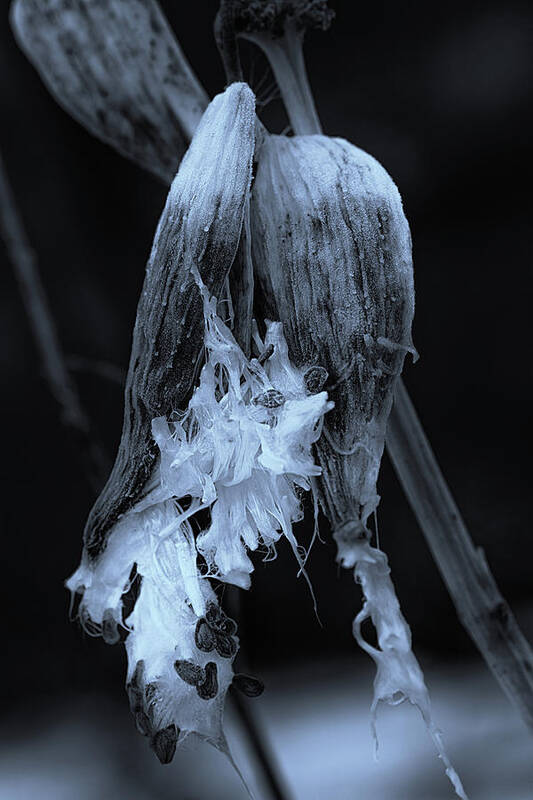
(200, 227)
(118, 68)
(332, 254)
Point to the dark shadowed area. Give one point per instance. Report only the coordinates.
(439, 95)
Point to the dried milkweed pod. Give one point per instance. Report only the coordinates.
(198, 234)
(238, 445)
(118, 68)
(72, 45)
(332, 253)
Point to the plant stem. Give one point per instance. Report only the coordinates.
(479, 603)
(265, 758)
(262, 752)
(226, 40)
(103, 369)
(285, 55)
(61, 386)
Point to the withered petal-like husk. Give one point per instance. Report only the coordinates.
(116, 66)
(332, 255)
(199, 229)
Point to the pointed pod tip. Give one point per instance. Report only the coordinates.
(240, 95)
(225, 137)
(241, 88)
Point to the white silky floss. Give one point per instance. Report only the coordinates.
(240, 450)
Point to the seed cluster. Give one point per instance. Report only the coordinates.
(215, 631)
(163, 741)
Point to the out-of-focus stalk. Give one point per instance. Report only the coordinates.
(478, 601)
(60, 383)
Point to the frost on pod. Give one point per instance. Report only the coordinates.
(332, 252)
(240, 449)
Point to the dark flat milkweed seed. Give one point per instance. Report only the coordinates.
(209, 686)
(143, 723)
(225, 645)
(164, 743)
(248, 685)
(315, 379)
(214, 614)
(110, 632)
(228, 626)
(189, 672)
(269, 399)
(88, 625)
(204, 636)
(131, 593)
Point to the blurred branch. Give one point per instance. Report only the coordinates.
(259, 744)
(479, 603)
(24, 263)
(251, 726)
(93, 366)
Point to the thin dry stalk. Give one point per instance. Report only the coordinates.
(61, 386)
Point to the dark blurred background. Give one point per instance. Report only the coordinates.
(438, 93)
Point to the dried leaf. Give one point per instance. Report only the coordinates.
(116, 66)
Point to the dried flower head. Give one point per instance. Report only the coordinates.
(272, 16)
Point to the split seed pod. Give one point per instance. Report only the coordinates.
(199, 228)
(332, 253)
(176, 619)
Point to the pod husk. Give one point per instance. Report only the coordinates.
(332, 258)
(116, 67)
(199, 229)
